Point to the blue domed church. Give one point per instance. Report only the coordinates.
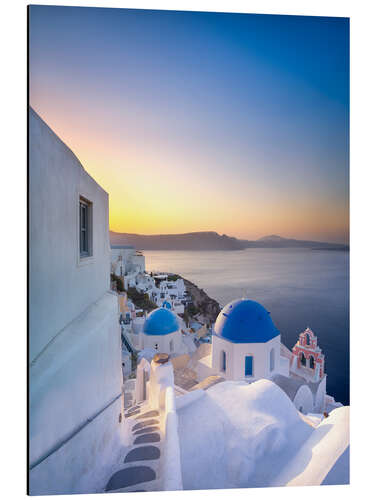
(161, 331)
(245, 342)
(247, 346)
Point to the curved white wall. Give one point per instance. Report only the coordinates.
(303, 400)
(319, 401)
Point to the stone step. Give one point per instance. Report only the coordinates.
(148, 414)
(142, 453)
(130, 476)
(147, 438)
(136, 407)
(146, 423)
(155, 485)
(141, 468)
(145, 430)
(132, 413)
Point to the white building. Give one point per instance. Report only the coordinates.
(126, 260)
(247, 346)
(75, 390)
(169, 292)
(161, 331)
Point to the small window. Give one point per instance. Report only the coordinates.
(171, 346)
(303, 359)
(85, 225)
(312, 362)
(272, 360)
(248, 366)
(223, 362)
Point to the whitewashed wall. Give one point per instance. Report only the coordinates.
(126, 263)
(139, 262)
(235, 358)
(75, 346)
(320, 396)
(303, 400)
(61, 286)
(163, 342)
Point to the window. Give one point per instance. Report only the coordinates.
(171, 346)
(223, 361)
(85, 225)
(272, 360)
(303, 359)
(312, 362)
(248, 366)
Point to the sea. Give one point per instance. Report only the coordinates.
(299, 287)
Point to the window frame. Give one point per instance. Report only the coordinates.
(85, 254)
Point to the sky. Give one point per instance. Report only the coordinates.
(192, 121)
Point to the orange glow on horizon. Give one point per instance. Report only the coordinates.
(149, 196)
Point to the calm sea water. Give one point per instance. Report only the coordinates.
(299, 287)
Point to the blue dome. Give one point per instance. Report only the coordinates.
(167, 305)
(161, 321)
(244, 321)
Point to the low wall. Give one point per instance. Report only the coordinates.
(162, 397)
(172, 461)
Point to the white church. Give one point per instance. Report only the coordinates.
(160, 331)
(247, 346)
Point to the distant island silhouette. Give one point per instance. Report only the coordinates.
(211, 240)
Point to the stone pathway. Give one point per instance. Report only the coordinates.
(140, 470)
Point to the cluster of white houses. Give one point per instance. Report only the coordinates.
(76, 414)
(129, 264)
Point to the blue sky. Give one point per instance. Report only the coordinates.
(239, 122)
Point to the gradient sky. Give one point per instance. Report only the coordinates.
(232, 123)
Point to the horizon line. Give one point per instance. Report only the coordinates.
(229, 236)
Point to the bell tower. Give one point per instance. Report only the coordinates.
(308, 360)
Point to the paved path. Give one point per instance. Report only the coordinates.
(140, 470)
